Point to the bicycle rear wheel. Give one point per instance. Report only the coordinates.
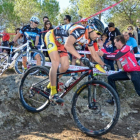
(18, 63)
(95, 116)
(32, 90)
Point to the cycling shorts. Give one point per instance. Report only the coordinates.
(53, 45)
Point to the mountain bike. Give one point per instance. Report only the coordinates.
(7, 61)
(91, 112)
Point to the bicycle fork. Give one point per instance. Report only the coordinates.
(91, 96)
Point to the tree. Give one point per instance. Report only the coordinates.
(90, 7)
(7, 13)
(50, 8)
(125, 13)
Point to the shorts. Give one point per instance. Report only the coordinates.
(53, 45)
(5, 44)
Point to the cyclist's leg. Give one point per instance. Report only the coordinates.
(24, 62)
(117, 76)
(54, 56)
(38, 59)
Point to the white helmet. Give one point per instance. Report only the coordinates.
(34, 19)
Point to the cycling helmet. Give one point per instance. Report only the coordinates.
(96, 25)
(34, 19)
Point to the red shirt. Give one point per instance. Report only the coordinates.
(5, 37)
(126, 56)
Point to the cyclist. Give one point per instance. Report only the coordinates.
(33, 32)
(125, 55)
(57, 49)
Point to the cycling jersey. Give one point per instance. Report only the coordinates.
(80, 33)
(125, 56)
(56, 38)
(32, 32)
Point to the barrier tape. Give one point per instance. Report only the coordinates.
(74, 68)
(81, 52)
(101, 11)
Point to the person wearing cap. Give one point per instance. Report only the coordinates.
(57, 49)
(112, 32)
(33, 32)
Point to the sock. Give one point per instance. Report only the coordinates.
(53, 90)
(49, 85)
(25, 68)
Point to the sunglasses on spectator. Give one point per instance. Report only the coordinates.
(36, 22)
(110, 26)
(129, 28)
(65, 19)
(48, 23)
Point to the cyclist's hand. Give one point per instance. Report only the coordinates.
(85, 61)
(11, 43)
(107, 67)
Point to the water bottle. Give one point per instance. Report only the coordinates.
(70, 81)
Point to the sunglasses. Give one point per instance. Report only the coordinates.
(129, 29)
(36, 22)
(65, 19)
(110, 26)
(98, 33)
(48, 23)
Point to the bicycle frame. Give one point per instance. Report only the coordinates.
(9, 58)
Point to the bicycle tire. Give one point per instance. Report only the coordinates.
(87, 123)
(18, 63)
(31, 93)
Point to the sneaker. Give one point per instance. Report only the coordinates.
(56, 99)
(110, 101)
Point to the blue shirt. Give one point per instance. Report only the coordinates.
(131, 42)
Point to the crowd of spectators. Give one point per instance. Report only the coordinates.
(131, 34)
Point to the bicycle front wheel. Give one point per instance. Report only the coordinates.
(91, 110)
(19, 68)
(34, 95)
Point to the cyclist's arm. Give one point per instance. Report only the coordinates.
(95, 56)
(115, 55)
(36, 40)
(69, 46)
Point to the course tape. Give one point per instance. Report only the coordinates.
(101, 11)
(81, 52)
(74, 68)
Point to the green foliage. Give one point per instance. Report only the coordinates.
(90, 7)
(125, 13)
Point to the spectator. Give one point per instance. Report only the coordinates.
(131, 31)
(108, 49)
(112, 32)
(130, 41)
(67, 22)
(47, 27)
(5, 41)
(0, 42)
(138, 31)
(19, 41)
(129, 63)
